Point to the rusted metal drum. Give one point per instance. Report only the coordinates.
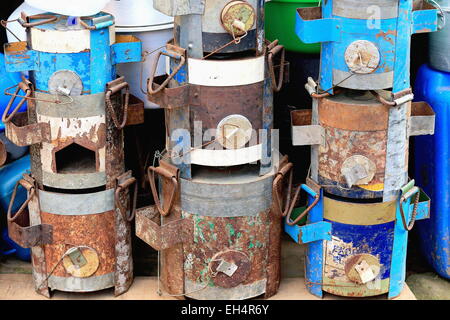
(220, 118)
(78, 224)
(80, 242)
(221, 237)
(219, 25)
(356, 142)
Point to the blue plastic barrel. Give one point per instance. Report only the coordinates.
(8, 79)
(432, 168)
(9, 175)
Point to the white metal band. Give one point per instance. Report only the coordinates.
(231, 157)
(72, 41)
(225, 73)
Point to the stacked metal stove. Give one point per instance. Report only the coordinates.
(77, 215)
(217, 217)
(361, 203)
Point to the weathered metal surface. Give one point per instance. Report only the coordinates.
(21, 133)
(127, 48)
(267, 159)
(159, 237)
(3, 153)
(387, 26)
(209, 108)
(212, 31)
(135, 111)
(365, 247)
(38, 258)
(68, 128)
(54, 47)
(303, 132)
(355, 135)
(422, 119)
(76, 204)
(212, 252)
(214, 194)
(114, 146)
(123, 276)
(350, 238)
(93, 230)
(18, 57)
(398, 269)
(212, 235)
(90, 284)
(30, 236)
(396, 170)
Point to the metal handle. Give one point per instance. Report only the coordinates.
(24, 86)
(150, 82)
(112, 88)
(273, 51)
(278, 178)
(307, 210)
(47, 19)
(168, 175)
(406, 196)
(31, 191)
(119, 189)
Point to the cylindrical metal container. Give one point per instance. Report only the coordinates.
(221, 237)
(357, 249)
(220, 25)
(78, 222)
(438, 46)
(80, 242)
(358, 257)
(361, 143)
(214, 116)
(365, 46)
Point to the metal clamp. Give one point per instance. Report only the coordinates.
(120, 187)
(307, 210)
(284, 169)
(113, 87)
(275, 49)
(153, 88)
(23, 20)
(169, 172)
(24, 85)
(405, 197)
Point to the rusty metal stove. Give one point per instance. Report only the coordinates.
(218, 234)
(77, 215)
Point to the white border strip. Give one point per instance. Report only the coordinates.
(225, 73)
(64, 41)
(232, 157)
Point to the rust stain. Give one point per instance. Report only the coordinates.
(386, 35)
(93, 230)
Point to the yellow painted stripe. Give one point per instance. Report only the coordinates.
(364, 214)
(372, 187)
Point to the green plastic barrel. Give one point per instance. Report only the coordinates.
(280, 17)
